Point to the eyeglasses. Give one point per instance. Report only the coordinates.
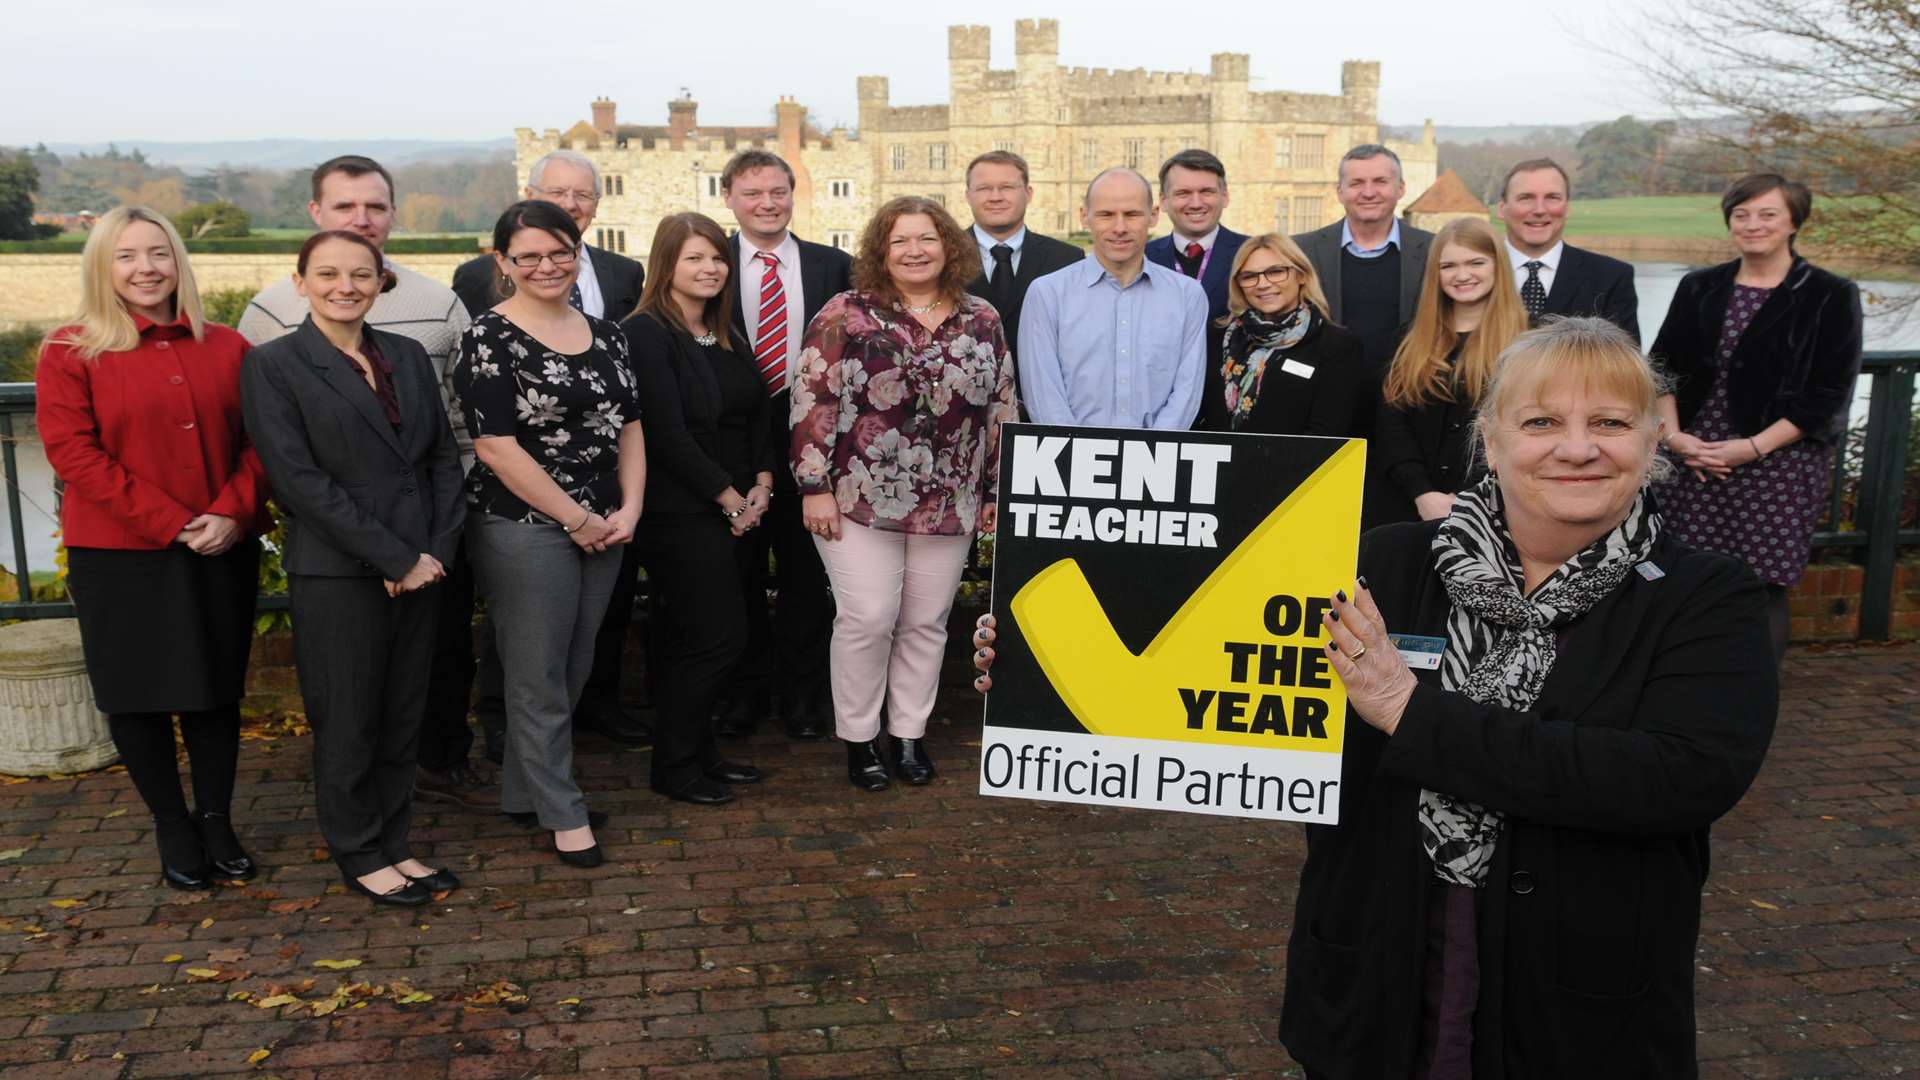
(1275, 275)
(560, 193)
(560, 259)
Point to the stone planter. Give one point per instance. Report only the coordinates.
(47, 720)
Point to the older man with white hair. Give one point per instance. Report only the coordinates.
(609, 285)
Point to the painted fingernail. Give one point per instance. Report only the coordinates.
(1331, 647)
(1340, 595)
(1363, 582)
(1334, 615)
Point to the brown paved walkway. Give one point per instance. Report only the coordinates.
(812, 931)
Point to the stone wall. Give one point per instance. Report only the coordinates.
(42, 289)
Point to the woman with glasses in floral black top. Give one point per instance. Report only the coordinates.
(549, 399)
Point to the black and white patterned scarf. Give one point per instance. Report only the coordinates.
(1500, 641)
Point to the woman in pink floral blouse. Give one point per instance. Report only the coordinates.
(902, 385)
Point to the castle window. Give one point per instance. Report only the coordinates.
(1003, 145)
(713, 185)
(1309, 151)
(1134, 151)
(620, 241)
(842, 241)
(937, 156)
(1306, 212)
(899, 156)
(1063, 114)
(1282, 216)
(840, 189)
(1283, 151)
(1090, 153)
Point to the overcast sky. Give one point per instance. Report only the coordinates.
(205, 70)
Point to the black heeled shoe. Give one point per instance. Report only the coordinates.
(584, 859)
(595, 819)
(412, 894)
(441, 880)
(863, 766)
(732, 772)
(183, 859)
(910, 761)
(230, 861)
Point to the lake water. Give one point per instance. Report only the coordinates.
(1655, 283)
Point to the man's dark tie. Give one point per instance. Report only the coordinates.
(1191, 259)
(1001, 283)
(573, 298)
(1532, 292)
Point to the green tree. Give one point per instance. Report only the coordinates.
(213, 219)
(19, 179)
(1620, 157)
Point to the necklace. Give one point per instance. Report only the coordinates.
(921, 310)
(706, 339)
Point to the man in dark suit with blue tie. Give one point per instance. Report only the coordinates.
(1193, 195)
(1556, 278)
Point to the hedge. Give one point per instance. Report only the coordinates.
(257, 245)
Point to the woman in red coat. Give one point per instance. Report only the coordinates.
(139, 409)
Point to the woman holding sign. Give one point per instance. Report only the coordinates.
(900, 391)
(1513, 888)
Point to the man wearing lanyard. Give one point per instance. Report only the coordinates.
(1193, 192)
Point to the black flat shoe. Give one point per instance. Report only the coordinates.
(732, 772)
(700, 791)
(584, 860)
(183, 858)
(229, 860)
(438, 881)
(412, 894)
(806, 727)
(863, 766)
(910, 761)
(595, 819)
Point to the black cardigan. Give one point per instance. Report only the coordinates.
(1798, 359)
(1428, 448)
(680, 399)
(1330, 400)
(1651, 725)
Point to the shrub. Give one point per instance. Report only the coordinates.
(225, 306)
(20, 352)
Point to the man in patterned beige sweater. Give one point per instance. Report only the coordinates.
(356, 194)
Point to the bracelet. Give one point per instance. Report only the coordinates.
(1757, 452)
(577, 528)
(731, 514)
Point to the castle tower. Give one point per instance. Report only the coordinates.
(968, 49)
(790, 119)
(1229, 76)
(603, 117)
(682, 113)
(1360, 85)
(1036, 56)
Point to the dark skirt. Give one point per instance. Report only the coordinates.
(165, 631)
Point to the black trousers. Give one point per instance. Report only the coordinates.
(360, 656)
(787, 650)
(702, 622)
(446, 739)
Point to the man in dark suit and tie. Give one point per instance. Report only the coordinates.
(609, 288)
(1011, 255)
(1193, 194)
(783, 281)
(1556, 278)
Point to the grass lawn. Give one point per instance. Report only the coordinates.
(302, 234)
(1676, 216)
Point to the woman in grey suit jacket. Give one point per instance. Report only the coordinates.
(348, 422)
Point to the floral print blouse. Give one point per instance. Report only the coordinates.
(902, 425)
(565, 411)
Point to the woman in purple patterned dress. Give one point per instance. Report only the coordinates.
(902, 385)
(1764, 351)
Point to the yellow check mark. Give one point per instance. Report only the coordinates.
(1304, 548)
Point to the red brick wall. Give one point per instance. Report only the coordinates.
(1825, 606)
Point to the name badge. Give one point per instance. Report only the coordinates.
(1420, 653)
(1295, 367)
(1649, 571)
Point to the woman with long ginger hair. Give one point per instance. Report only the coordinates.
(708, 440)
(139, 409)
(897, 404)
(1469, 311)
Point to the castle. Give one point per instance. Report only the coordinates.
(1281, 148)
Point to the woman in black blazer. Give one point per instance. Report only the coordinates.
(1764, 351)
(1284, 367)
(349, 424)
(707, 437)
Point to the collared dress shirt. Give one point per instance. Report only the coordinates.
(591, 301)
(752, 269)
(1107, 356)
(1206, 246)
(1353, 247)
(1549, 264)
(1017, 241)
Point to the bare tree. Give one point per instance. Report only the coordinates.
(1827, 91)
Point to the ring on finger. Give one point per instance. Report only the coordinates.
(1357, 653)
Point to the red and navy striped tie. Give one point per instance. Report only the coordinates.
(770, 338)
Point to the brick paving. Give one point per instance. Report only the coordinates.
(810, 930)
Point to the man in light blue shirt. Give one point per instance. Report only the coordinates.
(1114, 341)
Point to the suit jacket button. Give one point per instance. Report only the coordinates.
(406, 472)
(1520, 882)
(408, 490)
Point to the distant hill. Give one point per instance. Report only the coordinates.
(297, 153)
(1499, 134)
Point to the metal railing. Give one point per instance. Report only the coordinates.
(1872, 532)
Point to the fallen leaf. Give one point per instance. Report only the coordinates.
(204, 923)
(414, 998)
(568, 1001)
(744, 971)
(117, 813)
(275, 1001)
(290, 950)
(288, 907)
(506, 905)
(318, 854)
(171, 958)
(336, 965)
(1763, 905)
(204, 973)
(227, 956)
(322, 1008)
(668, 842)
(12, 853)
(63, 904)
(1005, 1051)
(259, 1056)
(261, 894)
(240, 995)
(1013, 1012)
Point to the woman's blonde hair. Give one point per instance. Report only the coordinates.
(1587, 352)
(104, 324)
(1420, 374)
(1287, 252)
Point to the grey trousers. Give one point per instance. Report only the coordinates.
(545, 599)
